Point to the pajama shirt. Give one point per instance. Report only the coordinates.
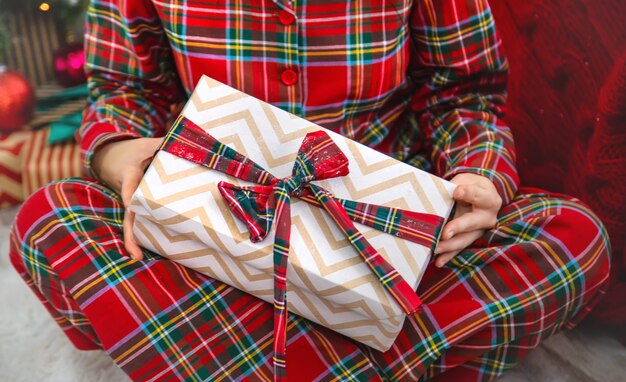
(422, 81)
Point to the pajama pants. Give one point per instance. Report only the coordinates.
(540, 270)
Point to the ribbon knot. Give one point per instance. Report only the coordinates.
(259, 206)
(293, 184)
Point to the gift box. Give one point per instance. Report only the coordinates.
(44, 163)
(188, 208)
(11, 157)
(44, 150)
(28, 161)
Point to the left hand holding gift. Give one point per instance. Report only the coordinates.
(477, 208)
(121, 166)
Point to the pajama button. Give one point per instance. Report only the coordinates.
(289, 77)
(285, 17)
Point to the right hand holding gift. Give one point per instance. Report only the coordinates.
(477, 209)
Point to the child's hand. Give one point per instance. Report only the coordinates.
(477, 208)
(121, 166)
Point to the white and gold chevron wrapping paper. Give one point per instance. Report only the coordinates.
(181, 215)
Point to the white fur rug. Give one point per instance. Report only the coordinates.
(32, 347)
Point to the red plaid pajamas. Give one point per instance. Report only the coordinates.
(423, 82)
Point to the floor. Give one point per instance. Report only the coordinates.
(582, 355)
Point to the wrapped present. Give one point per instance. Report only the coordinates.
(61, 109)
(44, 150)
(28, 162)
(44, 162)
(11, 156)
(226, 172)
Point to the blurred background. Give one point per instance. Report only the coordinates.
(35, 33)
(42, 93)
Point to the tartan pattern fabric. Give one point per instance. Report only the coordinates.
(318, 158)
(540, 270)
(423, 81)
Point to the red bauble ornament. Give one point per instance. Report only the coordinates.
(68, 64)
(17, 100)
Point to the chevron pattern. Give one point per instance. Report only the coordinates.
(11, 154)
(180, 214)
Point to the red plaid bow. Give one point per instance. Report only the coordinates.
(258, 206)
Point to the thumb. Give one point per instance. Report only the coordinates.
(128, 188)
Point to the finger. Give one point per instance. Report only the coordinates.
(449, 230)
(443, 259)
(475, 195)
(130, 186)
(129, 239)
(468, 222)
(458, 243)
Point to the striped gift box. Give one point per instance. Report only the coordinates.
(44, 163)
(11, 155)
(28, 162)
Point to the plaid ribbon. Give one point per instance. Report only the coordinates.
(258, 206)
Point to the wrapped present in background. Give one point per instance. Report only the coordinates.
(181, 215)
(28, 161)
(42, 40)
(61, 109)
(11, 156)
(44, 162)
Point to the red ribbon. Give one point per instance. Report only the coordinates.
(258, 206)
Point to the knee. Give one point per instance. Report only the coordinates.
(584, 235)
(45, 213)
(565, 224)
(587, 242)
(36, 207)
(580, 250)
(563, 250)
(564, 235)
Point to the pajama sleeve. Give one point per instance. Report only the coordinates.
(132, 78)
(461, 74)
